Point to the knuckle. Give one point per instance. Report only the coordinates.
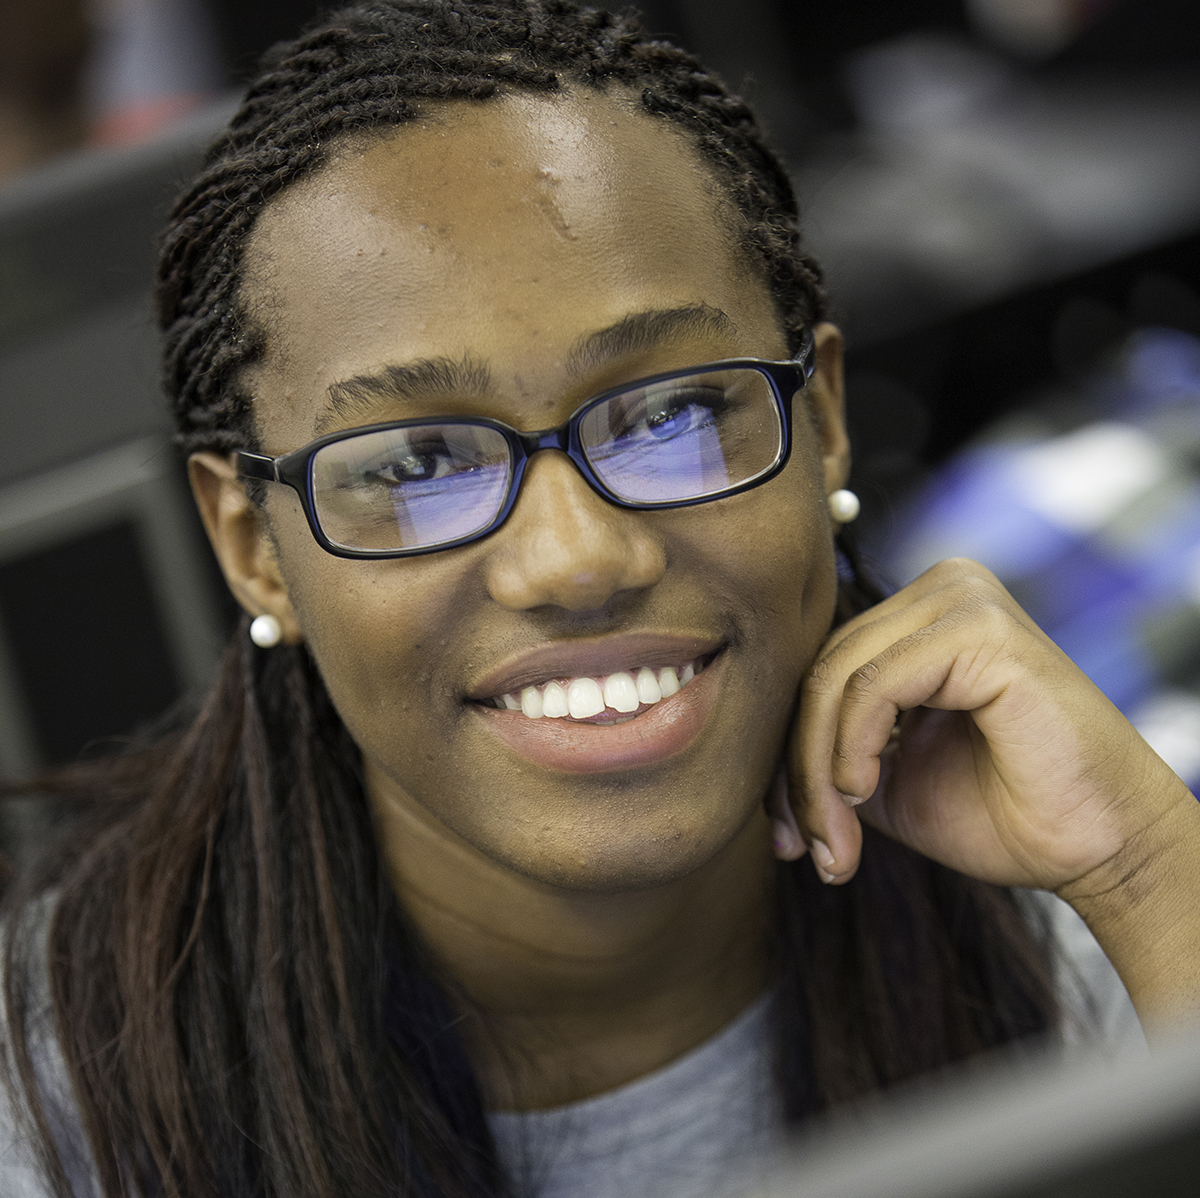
(862, 680)
(966, 568)
(974, 592)
(982, 602)
(962, 580)
(840, 753)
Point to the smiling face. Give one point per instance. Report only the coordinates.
(514, 258)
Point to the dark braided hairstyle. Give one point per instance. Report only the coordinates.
(242, 1007)
(376, 66)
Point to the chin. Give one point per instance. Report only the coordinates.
(591, 863)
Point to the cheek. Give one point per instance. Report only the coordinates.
(797, 594)
(773, 546)
(376, 630)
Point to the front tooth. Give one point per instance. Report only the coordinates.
(511, 703)
(585, 698)
(647, 686)
(620, 693)
(554, 701)
(668, 681)
(687, 674)
(531, 702)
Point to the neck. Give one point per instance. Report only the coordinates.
(570, 993)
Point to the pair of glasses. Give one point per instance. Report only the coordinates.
(671, 440)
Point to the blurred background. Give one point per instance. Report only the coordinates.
(1006, 198)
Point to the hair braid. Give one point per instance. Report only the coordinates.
(374, 66)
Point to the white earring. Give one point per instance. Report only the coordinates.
(844, 506)
(266, 631)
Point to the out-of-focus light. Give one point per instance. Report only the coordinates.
(1162, 366)
(1035, 28)
(1081, 480)
(1096, 529)
(1170, 723)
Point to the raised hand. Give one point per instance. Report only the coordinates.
(945, 717)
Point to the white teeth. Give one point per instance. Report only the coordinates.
(554, 701)
(581, 698)
(620, 693)
(585, 698)
(647, 686)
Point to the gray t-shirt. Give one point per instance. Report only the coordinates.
(705, 1125)
(704, 1122)
(708, 1124)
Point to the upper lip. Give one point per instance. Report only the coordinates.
(594, 659)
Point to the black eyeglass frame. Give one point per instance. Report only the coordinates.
(294, 469)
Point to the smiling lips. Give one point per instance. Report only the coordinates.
(568, 708)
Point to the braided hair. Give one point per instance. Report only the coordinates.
(376, 66)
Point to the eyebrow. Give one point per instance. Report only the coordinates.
(421, 379)
(437, 377)
(645, 330)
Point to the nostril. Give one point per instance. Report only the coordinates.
(538, 573)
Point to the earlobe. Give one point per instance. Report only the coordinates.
(826, 398)
(236, 529)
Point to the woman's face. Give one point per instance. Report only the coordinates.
(551, 248)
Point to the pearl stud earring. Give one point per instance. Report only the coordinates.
(844, 506)
(266, 631)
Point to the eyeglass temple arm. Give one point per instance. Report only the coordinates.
(255, 465)
(805, 357)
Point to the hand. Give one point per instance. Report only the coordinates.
(1007, 763)
(950, 721)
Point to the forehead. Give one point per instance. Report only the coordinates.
(503, 230)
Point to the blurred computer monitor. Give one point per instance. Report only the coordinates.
(109, 605)
(1088, 1128)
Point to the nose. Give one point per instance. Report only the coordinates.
(565, 546)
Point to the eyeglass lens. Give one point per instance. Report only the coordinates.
(684, 438)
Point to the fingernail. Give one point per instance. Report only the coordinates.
(851, 800)
(824, 859)
(789, 844)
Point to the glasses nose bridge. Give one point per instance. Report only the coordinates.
(546, 438)
(563, 438)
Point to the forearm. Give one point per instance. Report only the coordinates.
(1143, 906)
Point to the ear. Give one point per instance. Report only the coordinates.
(237, 529)
(826, 401)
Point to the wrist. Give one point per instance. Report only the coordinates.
(1143, 906)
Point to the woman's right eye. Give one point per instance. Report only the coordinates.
(416, 463)
(677, 412)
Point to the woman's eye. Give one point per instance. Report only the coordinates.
(417, 464)
(674, 414)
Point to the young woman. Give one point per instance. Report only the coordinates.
(516, 427)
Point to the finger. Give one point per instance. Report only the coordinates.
(911, 672)
(788, 841)
(822, 811)
(832, 768)
(941, 577)
(824, 691)
(828, 827)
